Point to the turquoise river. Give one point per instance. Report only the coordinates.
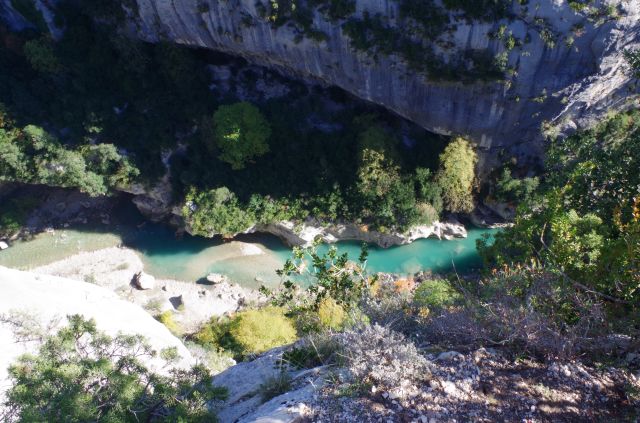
(191, 258)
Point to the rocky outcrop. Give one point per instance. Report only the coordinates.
(303, 234)
(246, 383)
(481, 385)
(155, 202)
(50, 299)
(567, 66)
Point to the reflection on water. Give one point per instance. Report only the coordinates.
(192, 258)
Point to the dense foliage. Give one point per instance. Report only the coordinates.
(377, 190)
(248, 332)
(585, 224)
(113, 107)
(31, 155)
(241, 133)
(457, 175)
(216, 212)
(515, 190)
(82, 374)
(96, 86)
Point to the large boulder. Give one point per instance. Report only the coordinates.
(246, 380)
(144, 281)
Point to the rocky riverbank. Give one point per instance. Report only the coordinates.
(305, 233)
(190, 303)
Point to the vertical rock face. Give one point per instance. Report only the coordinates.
(568, 67)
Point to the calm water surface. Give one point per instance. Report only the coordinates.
(192, 258)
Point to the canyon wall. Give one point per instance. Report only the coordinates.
(568, 83)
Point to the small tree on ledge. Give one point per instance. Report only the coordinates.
(241, 133)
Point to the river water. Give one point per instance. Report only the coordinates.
(192, 258)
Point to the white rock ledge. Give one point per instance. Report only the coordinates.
(304, 234)
(49, 298)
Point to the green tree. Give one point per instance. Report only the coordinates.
(583, 222)
(215, 212)
(428, 190)
(510, 189)
(332, 276)
(32, 155)
(633, 59)
(386, 197)
(457, 174)
(241, 133)
(81, 374)
(40, 54)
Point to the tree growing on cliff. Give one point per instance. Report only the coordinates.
(32, 155)
(216, 211)
(241, 133)
(633, 59)
(81, 374)
(457, 174)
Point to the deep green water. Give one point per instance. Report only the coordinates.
(191, 258)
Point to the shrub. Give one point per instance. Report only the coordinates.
(331, 314)
(82, 374)
(428, 214)
(377, 354)
(428, 190)
(257, 331)
(275, 385)
(32, 155)
(216, 211)
(215, 334)
(512, 189)
(40, 54)
(334, 276)
(314, 350)
(166, 318)
(435, 293)
(633, 60)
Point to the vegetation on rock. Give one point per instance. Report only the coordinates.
(248, 332)
(31, 155)
(456, 176)
(241, 133)
(82, 374)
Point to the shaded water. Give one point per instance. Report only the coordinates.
(192, 258)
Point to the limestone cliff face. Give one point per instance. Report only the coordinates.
(570, 82)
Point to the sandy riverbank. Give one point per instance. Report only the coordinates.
(114, 268)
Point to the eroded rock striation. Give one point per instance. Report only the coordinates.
(563, 65)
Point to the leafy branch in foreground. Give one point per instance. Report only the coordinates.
(82, 374)
(333, 276)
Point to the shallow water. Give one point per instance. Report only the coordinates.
(192, 258)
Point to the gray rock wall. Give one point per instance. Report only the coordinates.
(582, 81)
